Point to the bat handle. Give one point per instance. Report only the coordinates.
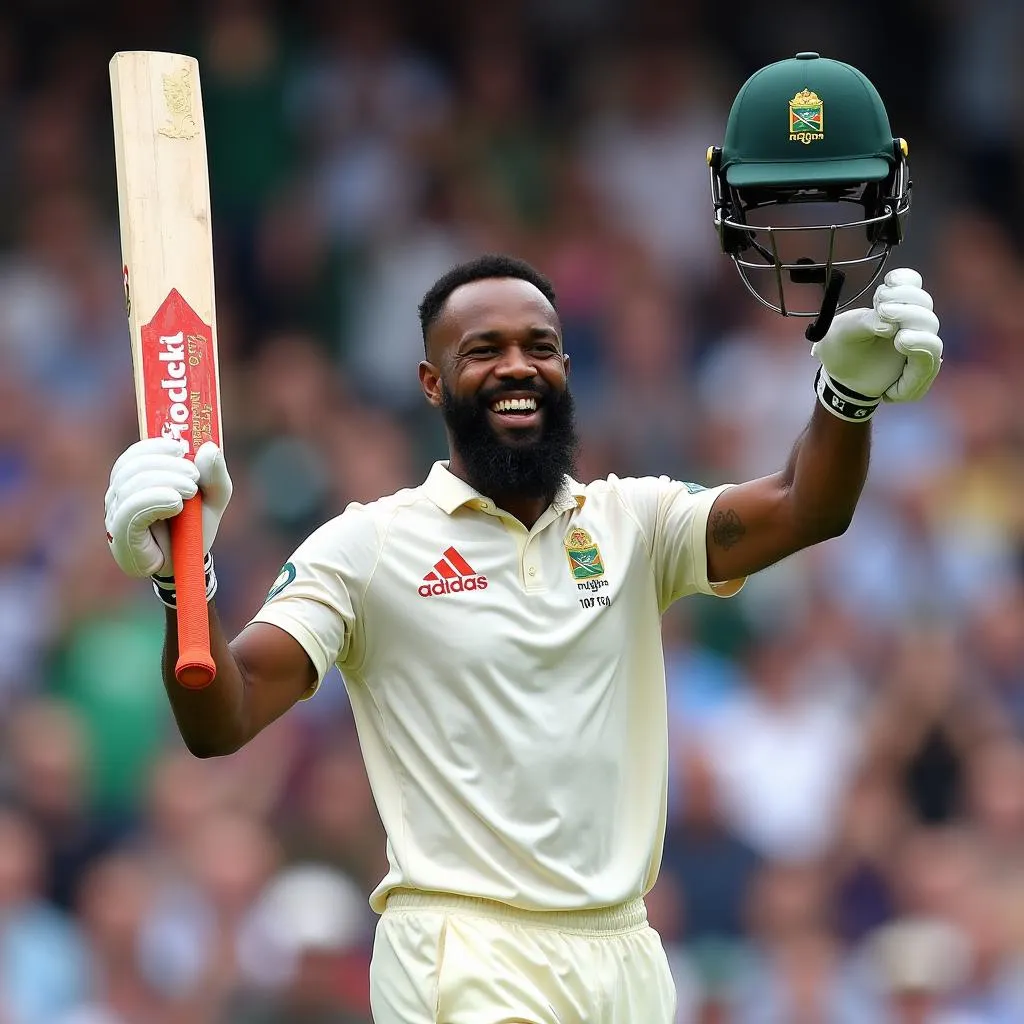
(195, 667)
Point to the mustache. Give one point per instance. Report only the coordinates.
(532, 387)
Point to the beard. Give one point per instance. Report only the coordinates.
(533, 467)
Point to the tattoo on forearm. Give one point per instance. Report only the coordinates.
(726, 528)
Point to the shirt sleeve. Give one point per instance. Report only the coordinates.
(317, 598)
(673, 516)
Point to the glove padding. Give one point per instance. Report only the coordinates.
(893, 350)
(149, 484)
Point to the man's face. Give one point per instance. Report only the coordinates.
(497, 372)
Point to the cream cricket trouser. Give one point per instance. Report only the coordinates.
(456, 960)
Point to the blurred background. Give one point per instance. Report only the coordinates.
(846, 840)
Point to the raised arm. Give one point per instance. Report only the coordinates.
(891, 351)
(755, 524)
(264, 671)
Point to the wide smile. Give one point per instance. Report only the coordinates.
(516, 413)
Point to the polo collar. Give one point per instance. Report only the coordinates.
(449, 492)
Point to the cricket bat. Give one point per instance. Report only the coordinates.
(163, 194)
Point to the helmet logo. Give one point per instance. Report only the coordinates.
(806, 118)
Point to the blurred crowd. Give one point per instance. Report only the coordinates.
(846, 839)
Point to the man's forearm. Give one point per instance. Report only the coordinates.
(826, 472)
(212, 720)
(757, 523)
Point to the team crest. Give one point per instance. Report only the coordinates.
(584, 555)
(285, 577)
(806, 117)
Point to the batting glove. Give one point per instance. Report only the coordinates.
(149, 484)
(891, 352)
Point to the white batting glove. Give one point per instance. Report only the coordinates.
(149, 484)
(891, 352)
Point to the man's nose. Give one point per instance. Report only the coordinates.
(516, 364)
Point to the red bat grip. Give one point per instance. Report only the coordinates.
(195, 668)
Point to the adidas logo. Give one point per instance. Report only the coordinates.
(451, 574)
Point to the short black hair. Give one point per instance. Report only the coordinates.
(481, 268)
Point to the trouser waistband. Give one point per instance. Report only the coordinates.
(622, 917)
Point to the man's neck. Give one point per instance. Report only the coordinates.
(526, 510)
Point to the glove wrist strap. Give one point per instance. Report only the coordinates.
(843, 401)
(165, 589)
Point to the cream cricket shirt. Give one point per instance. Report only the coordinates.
(507, 685)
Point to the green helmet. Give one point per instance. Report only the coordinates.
(810, 188)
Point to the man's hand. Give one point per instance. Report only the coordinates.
(891, 352)
(148, 485)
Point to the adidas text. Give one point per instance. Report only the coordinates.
(456, 586)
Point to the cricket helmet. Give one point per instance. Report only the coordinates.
(810, 188)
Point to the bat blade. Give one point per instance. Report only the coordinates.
(167, 249)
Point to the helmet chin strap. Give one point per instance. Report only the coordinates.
(818, 327)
